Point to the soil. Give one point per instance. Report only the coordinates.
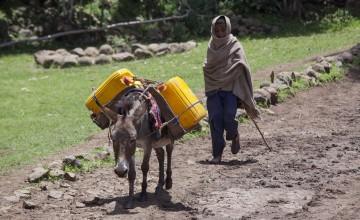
(313, 171)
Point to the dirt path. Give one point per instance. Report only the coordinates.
(314, 173)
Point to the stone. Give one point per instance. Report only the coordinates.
(27, 204)
(91, 51)
(55, 194)
(70, 176)
(106, 49)
(126, 56)
(37, 173)
(102, 59)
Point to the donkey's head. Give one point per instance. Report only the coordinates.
(125, 132)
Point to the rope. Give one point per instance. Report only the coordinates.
(102, 108)
(177, 116)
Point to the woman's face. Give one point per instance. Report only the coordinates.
(220, 30)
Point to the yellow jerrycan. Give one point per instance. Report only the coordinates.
(112, 86)
(183, 102)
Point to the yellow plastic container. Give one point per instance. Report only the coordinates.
(183, 102)
(107, 91)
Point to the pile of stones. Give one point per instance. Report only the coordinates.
(62, 58)
(268, 93)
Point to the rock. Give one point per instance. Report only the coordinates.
(262, 96)
(53, 60)
(70, 61)
(70, 176)
(266, 84)
(64, 185)
(319, 59)
(104, 155)
(41, 55)
(91, 51)
(346, 57)
(157, 48)
(72, 161)
(55, 194)
(23, 193)
(62, 52)
(327, 66)
(69, 159)
(318, 67)
(286, 77)
(37, 174)
(141, 54)
(189, 45)
(175, 48)
(56, 173)
(126, 56)
(134, 47)
(80, 205)
(29, 205)
(339, 64)
(122, 48)
(85, 156)
(278, 87)
(86, 61)
(44, 186)
(313, 73)
(56, 164)
(102, 59)
(273, 94)
(78, 51)
(106, 49)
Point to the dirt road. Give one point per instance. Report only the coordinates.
(313, 174)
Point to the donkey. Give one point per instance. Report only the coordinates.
(132, 129)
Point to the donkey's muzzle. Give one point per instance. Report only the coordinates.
(121, 170)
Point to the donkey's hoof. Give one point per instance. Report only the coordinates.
(158, 189)
(130, 204)
(168, 183)
(143, 197)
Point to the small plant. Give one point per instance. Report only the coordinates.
(335, 75)
(205, 130)
(244, 119)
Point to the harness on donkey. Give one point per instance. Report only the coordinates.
(145, 120)
(162, 117)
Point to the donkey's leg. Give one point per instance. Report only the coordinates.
(131, 178)
(116, 151)
(160, 154)
(169, 150)
(145, 170)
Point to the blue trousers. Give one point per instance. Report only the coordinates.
(222, 106)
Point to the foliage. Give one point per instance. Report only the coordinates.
(335, 75)
(244, 119)
(336, 20)
(88, 165)
(179, 33)
(205, 130)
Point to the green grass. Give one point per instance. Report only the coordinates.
(43, 110)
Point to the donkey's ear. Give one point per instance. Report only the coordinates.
(110, 113)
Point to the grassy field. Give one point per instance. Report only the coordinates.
(43, 110)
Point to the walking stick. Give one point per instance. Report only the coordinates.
(261, 133)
